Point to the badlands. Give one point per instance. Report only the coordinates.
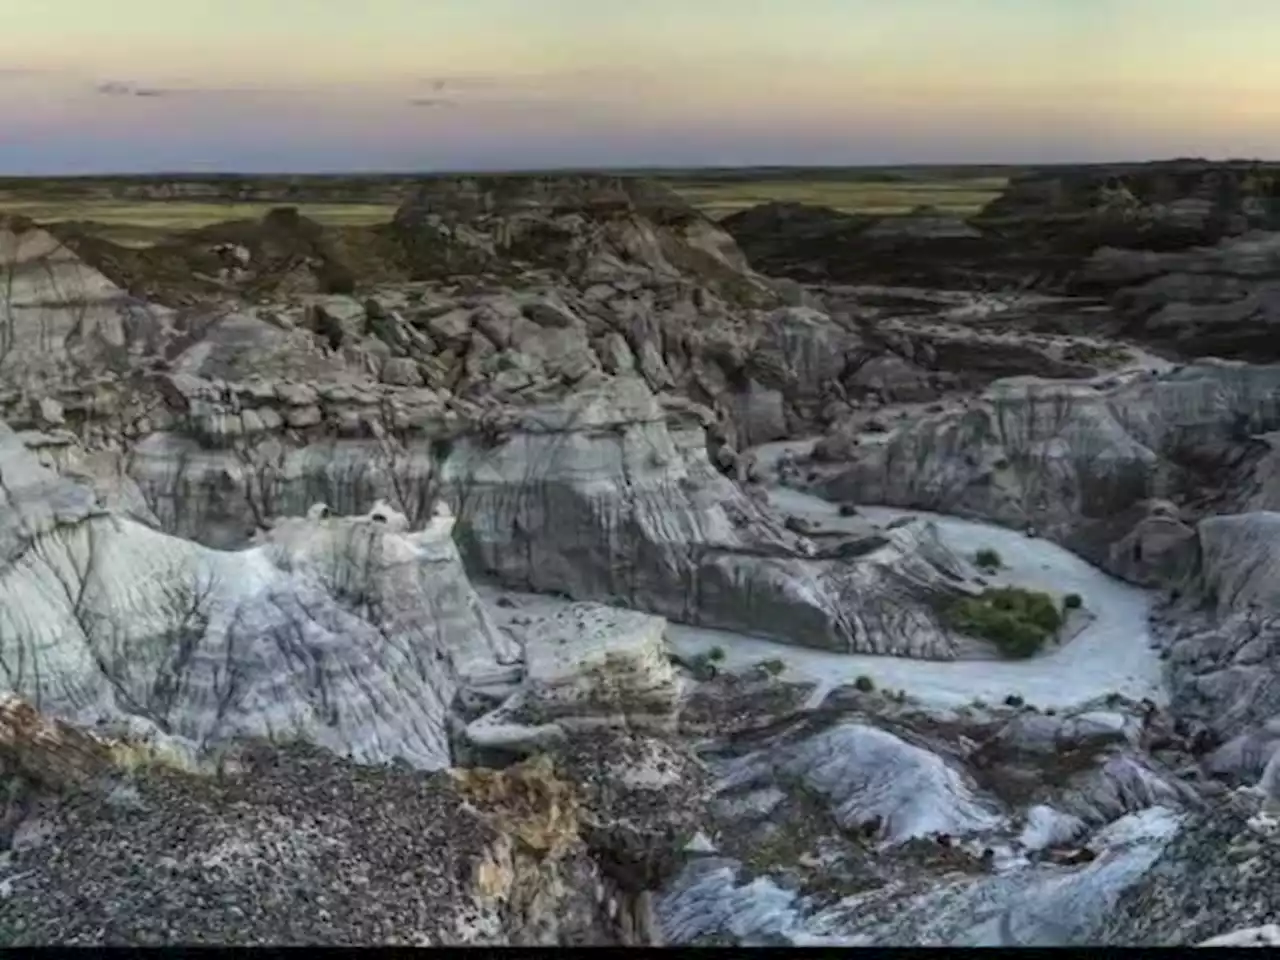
(553, 565)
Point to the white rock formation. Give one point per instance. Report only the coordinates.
(585, 665)
(1267, 935)
(1046, 906)
(607, 494)
(1047, 827)
(348, 632)
(867, 775)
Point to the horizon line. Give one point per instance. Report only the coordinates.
(623, 169)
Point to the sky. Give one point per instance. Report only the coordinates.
(90, 86)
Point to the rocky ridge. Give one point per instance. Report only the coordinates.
(1178, 254)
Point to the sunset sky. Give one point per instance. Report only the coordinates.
(315, 85)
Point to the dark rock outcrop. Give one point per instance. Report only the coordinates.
(1038, 233)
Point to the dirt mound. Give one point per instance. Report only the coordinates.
(282, 253)
(820, 244)
(465, 199)
(590, 228)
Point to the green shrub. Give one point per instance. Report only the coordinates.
(1072, 601)
(1014, 700)
(864, 683)
(716, 654)
(1017, 621)
(988, 559)
(441, 448)
(772, 667)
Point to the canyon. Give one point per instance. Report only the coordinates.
(553, 564)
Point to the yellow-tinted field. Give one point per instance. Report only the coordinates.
(144, 221)
(141, 222)
(961, 197)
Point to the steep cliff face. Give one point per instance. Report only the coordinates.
(1219, 300)
(1166, 481)
(1104, 470)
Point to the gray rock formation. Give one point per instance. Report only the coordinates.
(599, 499)
(1217, 875)
(1222, 300)
(873, 827)
(1090, 465)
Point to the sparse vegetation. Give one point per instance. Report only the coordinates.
(1014, 700)
(864, 683)
(988, 559)
(716, 654)
(1072, 601)
(1017, 621)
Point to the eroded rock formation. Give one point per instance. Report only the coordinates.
(254, 474)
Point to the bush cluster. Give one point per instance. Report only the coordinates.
(1017, 621)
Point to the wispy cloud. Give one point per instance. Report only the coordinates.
(180, 88)
(587, 82)
(460, 83)
(432, 102)
(114, 88)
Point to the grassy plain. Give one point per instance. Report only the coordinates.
(956, 196)
(358, 201)
(140, 222)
